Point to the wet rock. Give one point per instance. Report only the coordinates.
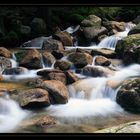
(5, 53)
(135, 30)
(45, 122)
(52, 74)
(48, 58)
(130, 127)
(97, 71)
(71, 77)
(126, 44)
(15, 71)
(5, 63)
(58, 92)
(92, 33)
(101, 37)
(79, 59)
(34, 98)
(31, 60)
(114, 26)
(128, 96)
(108, 53)
(57, 54)
(62, 65)
(102, 61)
(64, 37)
(52, 45)
(38, 25)
(91, 20)
(1, 77)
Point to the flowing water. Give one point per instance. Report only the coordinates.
(91, 104)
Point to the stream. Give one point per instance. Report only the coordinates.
(83, 113)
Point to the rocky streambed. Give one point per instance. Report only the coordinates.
(51, 85)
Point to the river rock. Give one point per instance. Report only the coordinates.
(15, 71)
(91, 20)
(48, 58)
(62, 65)
(108, 53)
(102, 61)
(5, 63)
(5, 53)
(92, 33)
(129, 42)
(135, 30)
(34, 98)
(45, 122)
(71, 77)
(128, 96)
(64, 37)
(38, 25)
(130, 127)
(53, 74)
(97, 71)
(58, 92)
(114, 26)
(1, 77)
(57, 54)
(31, 60)
(79, 59)
(52, 45)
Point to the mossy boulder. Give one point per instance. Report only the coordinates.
(129, 41)
(91, 20)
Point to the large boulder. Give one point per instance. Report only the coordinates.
(52, 45)
(53, 74)
(5, 63)
(64, 37)
(102, 61)
(5, 53)
(58, 92)
(135, 30)
(48, 58)
(34, 98)
(15, 71)
(92, 33)
(38, 25)
(128, 96)
(30, 59)
(91, 20)
(108, 53)
(129, 42)
(62, 65)
(79, 59)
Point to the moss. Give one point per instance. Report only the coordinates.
(20, 55)
(129, 41)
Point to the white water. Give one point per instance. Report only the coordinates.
(111, 41)
(72, 29)
(10, 115)
(100, 103)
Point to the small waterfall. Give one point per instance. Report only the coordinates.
(10, 115)
(72, 29)
(14, 63)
